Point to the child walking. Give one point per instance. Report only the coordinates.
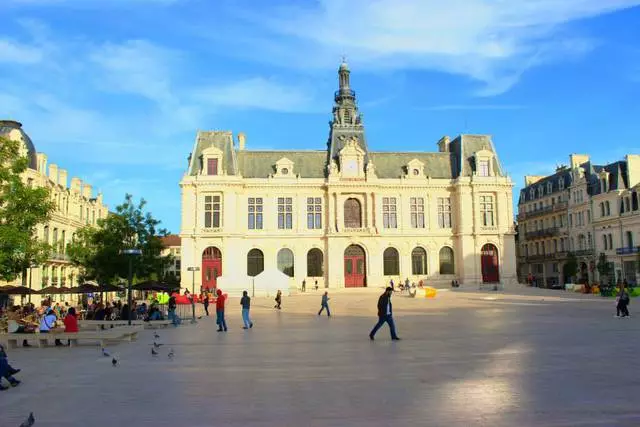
(278, 300)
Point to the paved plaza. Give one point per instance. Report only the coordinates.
(530, 358)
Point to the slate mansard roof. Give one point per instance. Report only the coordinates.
(313, 163)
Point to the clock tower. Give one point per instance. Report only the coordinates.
(347, 145)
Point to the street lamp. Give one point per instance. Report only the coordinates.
(193, 290)
(31, 267)
(131, 253)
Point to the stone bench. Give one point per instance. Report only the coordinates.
(123, 333)
(109, 324)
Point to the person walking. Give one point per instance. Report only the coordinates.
(7, 371)
(304, 285)
(205, 302)
(325, 304)
(278, 300)
(385, 314)
(622, 302)
(392, 285)
(245, 302)
(222, 324)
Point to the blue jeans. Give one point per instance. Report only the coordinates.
(222, 324)
(245, 318)
(324, 306)
(5, 368)
(381, 320)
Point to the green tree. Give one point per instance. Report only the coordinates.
(98, 250)
(570, 268)
(605, 268)
(22, 208)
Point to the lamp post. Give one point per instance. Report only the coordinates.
(131, 253)
(31, 267)
(193, 290)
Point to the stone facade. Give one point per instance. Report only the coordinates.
(347, 216)
(75, 204)
(584, 209)
(172, 247)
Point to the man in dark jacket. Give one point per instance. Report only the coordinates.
(385, 314)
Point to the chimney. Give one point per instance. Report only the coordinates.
(76, 185)
(86, 190)
(633, 169)
(578, 159)
(42, 163)
(62, 177)
(443, 144)
(53, 173)
(242, 141)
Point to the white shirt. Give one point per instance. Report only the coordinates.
(389, 307)
(47, 322)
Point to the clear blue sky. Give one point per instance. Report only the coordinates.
(115, 90)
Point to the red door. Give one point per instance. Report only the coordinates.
(354, 267)
(211, 267)
(490, 264)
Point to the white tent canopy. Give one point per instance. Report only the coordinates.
(265, 284)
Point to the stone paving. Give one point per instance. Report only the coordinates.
(542, 358)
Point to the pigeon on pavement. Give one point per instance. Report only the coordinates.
(155, 335)
(114, 362)
(170, 354)
(29, 421)
(156, 345)
(153, 352)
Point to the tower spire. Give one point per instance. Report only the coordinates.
(345, 110)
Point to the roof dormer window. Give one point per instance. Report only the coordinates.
(284, 167)
(484, 164)
(211, 162)
(549, 187)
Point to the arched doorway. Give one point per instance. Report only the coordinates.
(314, 263)
(352, 214)
(447, 265)
(391, 262)
(255, 262)
(285, 261)
(211, 267)
(354, 267)
(418, 261)
(584, 273)
(490, 264)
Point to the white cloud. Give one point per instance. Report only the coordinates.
(14, 52)
(257, 93)
(491, 41)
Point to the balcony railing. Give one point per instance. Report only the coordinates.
(547, 232)
(344, 93)
(583, 252)
(628, 250)
(560, 206)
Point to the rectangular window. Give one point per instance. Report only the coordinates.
(444, 212)
(417, 212)
(389, 212)
(483, 168)
(255, 213)
(486, 210)
(285, 213)
(212, 166)
(314, 213)
(212, 211)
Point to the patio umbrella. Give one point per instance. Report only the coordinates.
(16, 290)
(85, 288)
(54, 290)
(110, 288)
(151, 285)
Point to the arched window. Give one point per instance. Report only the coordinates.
(212, 253)
(314, 263)
(601, 209)
(285, 261)
(608, 207)
(604, 241)
(352, 214)
(418, 261)
(45, 236)
(391, 262)
(255, 262)
(446, 260)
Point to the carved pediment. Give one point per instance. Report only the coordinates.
(284, 168)
(414, 169)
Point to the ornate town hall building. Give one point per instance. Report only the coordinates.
(347, 216)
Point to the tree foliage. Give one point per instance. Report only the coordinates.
(98, 250)
(22, 208)
(604, 267)
(571, 266)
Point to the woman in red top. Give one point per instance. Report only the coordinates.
(71, 321)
